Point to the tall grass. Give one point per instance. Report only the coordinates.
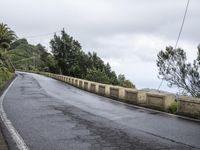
(5, 75)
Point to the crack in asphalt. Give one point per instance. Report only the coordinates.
(107, 136)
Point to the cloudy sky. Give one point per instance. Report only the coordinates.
(126, 33)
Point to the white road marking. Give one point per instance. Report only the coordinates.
(13, 132)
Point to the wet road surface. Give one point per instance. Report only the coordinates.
(51, 115)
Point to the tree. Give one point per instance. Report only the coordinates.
(65, 50)
(18, 42)
(125, 83)
(6, 36)
(51, 64)
(177, 72)
(98, 76)
(46, 60)
(73, 61)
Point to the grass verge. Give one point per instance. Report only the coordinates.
(4, 77)
(173, 108)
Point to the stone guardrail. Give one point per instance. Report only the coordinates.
(189, 106)
(154, 100)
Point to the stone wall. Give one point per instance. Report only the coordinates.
(154, 100)
(189, 106)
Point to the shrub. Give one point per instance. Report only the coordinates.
(5, 75)
(173, 108)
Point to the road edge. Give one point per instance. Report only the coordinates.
(21, 145)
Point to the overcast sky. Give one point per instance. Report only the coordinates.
(126, 33)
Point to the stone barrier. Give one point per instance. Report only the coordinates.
(189, 106)
(86, 85)
(153, 100)
(131, 96)
(102, 90)
(93, 87)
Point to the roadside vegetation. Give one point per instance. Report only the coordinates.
(73, 61)
(5, 75)
(173, 108)
(66, 57)
(7, 36)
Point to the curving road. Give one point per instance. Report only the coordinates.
(51, 115)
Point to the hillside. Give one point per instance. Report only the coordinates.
(28, 57)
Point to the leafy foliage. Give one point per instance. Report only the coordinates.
(98, 76)
(5, 62)
(73, 61)
(177, 72)
(6, 36)
(68, 54)
(30, 57)
(125, 83)
(5, 75)
(173, 108)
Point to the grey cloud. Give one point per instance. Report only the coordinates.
(105, 17)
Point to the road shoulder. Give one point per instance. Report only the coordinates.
(3, 141)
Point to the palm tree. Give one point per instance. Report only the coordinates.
(6, 36)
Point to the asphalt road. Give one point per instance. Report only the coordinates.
(51, 115)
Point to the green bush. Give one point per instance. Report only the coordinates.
(5, 75)
(173, 108)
